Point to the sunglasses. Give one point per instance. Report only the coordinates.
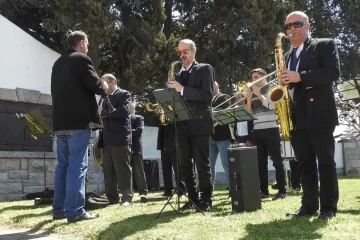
(185, 51)
(297, 24)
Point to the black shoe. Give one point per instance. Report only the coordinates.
(279, 195)
(168, 193)
(275, 186)
(204, 207)
(264, 195)
(87, 216)
(302, 212)
(326, 215)
(188, 206)
(143, 198)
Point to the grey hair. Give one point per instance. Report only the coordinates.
(300, 13)
(190, 42)
(110, 77)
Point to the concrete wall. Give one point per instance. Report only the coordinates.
(24, 61)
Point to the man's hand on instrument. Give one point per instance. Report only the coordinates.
(175, 84)
(256, 90)
(290, 77)
(99, 110)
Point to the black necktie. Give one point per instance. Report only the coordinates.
(294, 60)
(293, 63)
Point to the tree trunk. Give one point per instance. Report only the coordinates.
(168, 21)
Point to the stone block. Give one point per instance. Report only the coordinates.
(50, 179)
(31, 189)
(38, 165)
(21, 155)
(8, 94)
(35, 178)
(4, 177)
(10, 164)
(22, 174)
(14, 197)
(350, 145)
(3, 197)
(353, 171)
(352, 163)
(101, 188)
(92, 188)
(96, 177)
(27, 95)
(24, 164)
(10, 188)
(45, 99)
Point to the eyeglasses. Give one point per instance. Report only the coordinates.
(185, 51)
(297, 24)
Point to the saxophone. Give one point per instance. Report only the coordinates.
(279, 94)
(150, 107)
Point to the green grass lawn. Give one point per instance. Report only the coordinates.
(138, 221)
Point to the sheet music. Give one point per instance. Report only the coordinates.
(349, 90)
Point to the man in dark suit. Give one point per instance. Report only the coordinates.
(220, 141)
(137, 126)
(74, 84)
(195, 83)
(166, 145)
(313, 67)
(117, 143)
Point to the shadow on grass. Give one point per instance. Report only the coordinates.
(139, 223)
(294, 228)
(31, 215)
(19, 207)
(354, 212)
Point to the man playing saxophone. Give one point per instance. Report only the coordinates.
(195, 83)
(266, 135)
(312, 68)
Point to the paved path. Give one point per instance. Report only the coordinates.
(8, 233)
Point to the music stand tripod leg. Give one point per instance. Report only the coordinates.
(178, 171)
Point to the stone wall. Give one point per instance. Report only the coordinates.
(27, 172)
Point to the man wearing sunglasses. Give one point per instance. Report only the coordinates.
(195, 83)
(313, 66)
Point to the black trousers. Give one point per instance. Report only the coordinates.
(295, 173)
(309, 145)
(139, 174)
(195, 150)
(268, 141)
(117, 173)
(168, 162)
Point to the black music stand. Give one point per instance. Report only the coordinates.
(36, 125)
(231, 115)
(176, 109)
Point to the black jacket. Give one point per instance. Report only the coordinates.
(314, 102)
(222, 132)
(166, 138)
(137, 125)
(74, 84)
(198, 93)
(117, 125)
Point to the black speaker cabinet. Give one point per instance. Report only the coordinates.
(151, 169)
(244, 179)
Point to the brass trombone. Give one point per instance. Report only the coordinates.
(243, 88)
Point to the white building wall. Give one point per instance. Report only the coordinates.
(25, 62)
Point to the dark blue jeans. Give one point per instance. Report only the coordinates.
(69, 190)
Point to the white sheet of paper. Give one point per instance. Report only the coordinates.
(242, 128)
